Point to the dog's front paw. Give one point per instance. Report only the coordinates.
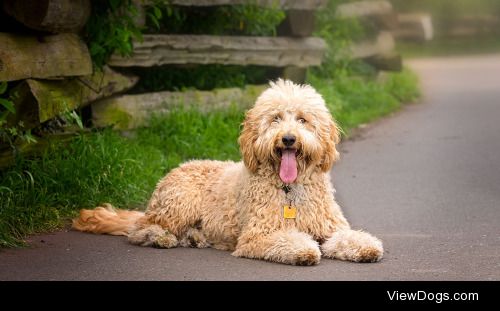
(307, 257)
(152, 235)
(194, 238)
(289, 247)
(354, 246)
(295, 248)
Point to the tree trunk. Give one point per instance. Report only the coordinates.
(383, 44)
(387, 62)
(56, 16)
(415, 27)
(131, 111)
(158, 50)
(40, 100)
(298, 23)
(23, 57)
(379, 13)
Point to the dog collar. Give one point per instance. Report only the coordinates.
(286, 188)
(289, 211)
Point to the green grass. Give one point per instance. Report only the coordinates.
(354, 101)
(38, 195)
(41, 194)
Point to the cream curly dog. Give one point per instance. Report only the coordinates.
(276, 205)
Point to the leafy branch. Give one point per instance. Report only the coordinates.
(10, 133)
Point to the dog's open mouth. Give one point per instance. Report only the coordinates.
(288, 166)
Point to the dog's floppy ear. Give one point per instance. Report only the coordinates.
(247, 139)
(331, 139)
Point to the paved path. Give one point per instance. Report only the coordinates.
(426, 181)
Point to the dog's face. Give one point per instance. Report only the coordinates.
(291, 129)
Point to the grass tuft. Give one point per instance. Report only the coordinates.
(354, 100)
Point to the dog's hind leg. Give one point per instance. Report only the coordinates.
(194, 237)
(152, 235)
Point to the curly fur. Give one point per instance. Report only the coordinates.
(238, 206)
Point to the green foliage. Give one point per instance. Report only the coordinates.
(72, 118)
(154, 14)
(9, 132)
(404, 86)
(111, 28)
(39, 195)
(14, 133)
(349, 86)
(354, 100)
(186, 133)
(338, 34)
(218, 20)
(203, 77)
(6, 104)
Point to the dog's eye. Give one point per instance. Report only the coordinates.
(276, 119)
(301, 120)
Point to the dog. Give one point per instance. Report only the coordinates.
(277, 204)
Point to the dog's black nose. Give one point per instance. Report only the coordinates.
(288, 140)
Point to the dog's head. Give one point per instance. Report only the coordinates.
(291, 129)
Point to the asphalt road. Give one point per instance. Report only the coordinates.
(425, 180)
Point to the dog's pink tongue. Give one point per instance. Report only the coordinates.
(288, 167)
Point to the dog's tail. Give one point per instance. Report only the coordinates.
(106, 219)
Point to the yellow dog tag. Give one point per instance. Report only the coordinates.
(289, 212)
